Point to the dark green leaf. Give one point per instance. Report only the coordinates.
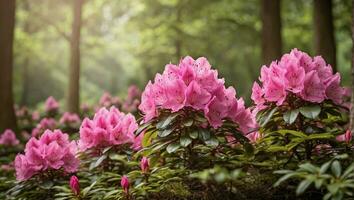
(290, 116)
(303, 186)
(267, 116)
(310, 111)
(213, 142)
(165, 132)
(185, 141)
(193, 134)
(172, 147)
(166, 122)
(336, 168)
(204, 134)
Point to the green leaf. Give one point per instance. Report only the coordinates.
(325, 167)
(166, 122)
(204, 134)
(142, 128)
(213, 142)
(308, 167)
(172, 147)
(336, 168)
(148, 136)
(310, 111)
(98, 162)
(290, 116)
(188, 123)
(303, 186)
(283, 178)
(193, 134)
(185, 141)
(165, 132)
(268, 116)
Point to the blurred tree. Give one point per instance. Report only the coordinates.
(7, 26)
(324, 31)
(351, 124)
(74, 71)
(271, 30)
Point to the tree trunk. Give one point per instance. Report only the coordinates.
(324, 31)
(351, 125)
(7, 25)
(74, 71)
(26, 62)
(271, 30)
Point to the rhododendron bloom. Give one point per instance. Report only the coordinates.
(52, 150)
(69, 118)
(190, 84)
(74, 185)
(107, 128)
(144, 164)
(51, 104)
(8, 138)
(125, 184)
(306, 78)
(45, 123)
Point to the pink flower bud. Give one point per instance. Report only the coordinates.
(346, 137)
(144, 164)
(75, 185)
(125, 184)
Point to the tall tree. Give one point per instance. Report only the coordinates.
(74, 71)
(7, 25)
(351, 124)
(324, 31)
(271, 30)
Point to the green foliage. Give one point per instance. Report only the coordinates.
(329, 176)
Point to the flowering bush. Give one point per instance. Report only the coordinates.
(297, 77)
(193, 84)
(52, 151)
(44, 124)
(51, 106)
(8, 138)
(299, 104)
(108, 128)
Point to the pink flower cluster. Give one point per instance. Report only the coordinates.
(107, 100)
(52, 151)
(44, 124)
(108, 128)
(132, 102)
(8, 138)
(310, 79)
(195, 85)
(70, 118)
(51, 104)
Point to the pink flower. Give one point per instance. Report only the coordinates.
(346, 137)
(275, 91)
(45, 123)
(215, 111)
(175, 93)
(334, 91)
(35, 116)
(314, 89)
(144, 165)
(294, 76)
(52, 150)
(125, 184)
(70, 118)
(196, 96)
(257, 94)
(107, 128)
(107, 100)
(51, 104)
(8, 138)
(75, 185)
